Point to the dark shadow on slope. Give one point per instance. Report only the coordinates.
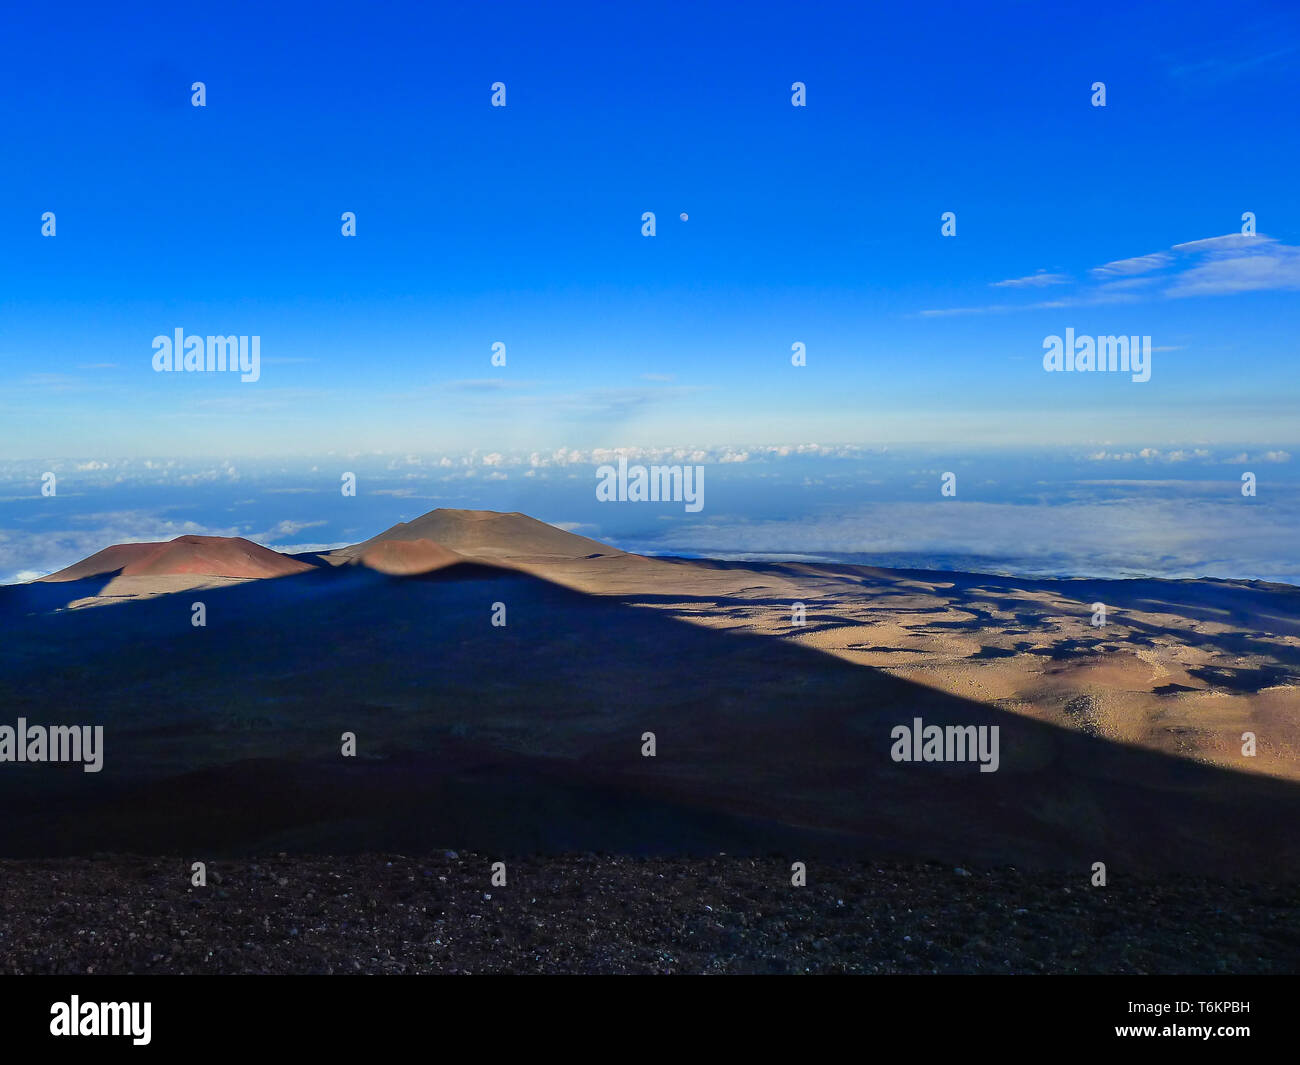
(18, 601)
(528, 737)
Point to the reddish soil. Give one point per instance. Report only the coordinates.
(217, 556)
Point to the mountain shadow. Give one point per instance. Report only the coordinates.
(527, 735)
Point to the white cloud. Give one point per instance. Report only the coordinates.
(1037, 280)
(1212, 266)
(284, 528)
(1155, 454)
(1140, 264)
(1169, 537)
(1228, 241)
(1262, 266)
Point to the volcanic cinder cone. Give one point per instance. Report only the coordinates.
(486, 534)
(404, 558)
(215, 556)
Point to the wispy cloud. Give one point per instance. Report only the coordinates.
(1155, 454)
(1140, 264)
(1218, 69)
(56, 382)
(285, 528)
(1039, 280)
(1100, 295)
(1212, 266)
(490, 396)
(1248, 264)
(484, 384)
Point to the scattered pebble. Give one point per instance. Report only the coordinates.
(611, 914)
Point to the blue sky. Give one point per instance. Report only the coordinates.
(522, 225)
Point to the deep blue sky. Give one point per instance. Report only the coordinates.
(522, 224)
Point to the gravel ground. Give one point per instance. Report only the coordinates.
(440, 913)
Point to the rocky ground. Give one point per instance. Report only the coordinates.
(440, 913)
